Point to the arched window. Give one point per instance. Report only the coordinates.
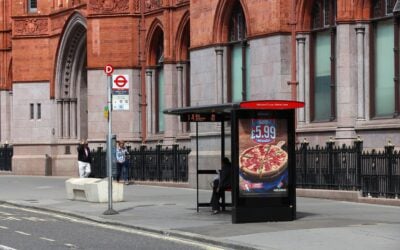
(323, 55)
(159, 87)
(183, 69)
(238, 56)
(384, 89)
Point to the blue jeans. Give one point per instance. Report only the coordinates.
(122, 169)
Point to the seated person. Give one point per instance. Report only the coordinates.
(221, 184)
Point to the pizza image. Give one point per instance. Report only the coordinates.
(263, 161)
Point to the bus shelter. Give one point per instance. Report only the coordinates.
(262, 155)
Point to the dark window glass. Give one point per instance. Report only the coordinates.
(382, 8)
(32, 5)
(237, 25)
(323, 98)
(160, 89)
(31, 111)
(39, 111)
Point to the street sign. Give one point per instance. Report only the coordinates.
(108, 69)
(120, 102)
(120, 92)
(120, 82)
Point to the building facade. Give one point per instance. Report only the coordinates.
(341, 57)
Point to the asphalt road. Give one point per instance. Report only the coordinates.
(27, 229)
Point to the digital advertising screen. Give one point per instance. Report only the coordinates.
(263, 157)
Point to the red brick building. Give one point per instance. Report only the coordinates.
(339, 56)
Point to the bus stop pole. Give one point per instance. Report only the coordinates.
(222, 140)
(110, 210)
(197, 165)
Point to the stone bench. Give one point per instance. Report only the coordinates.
(92, 190)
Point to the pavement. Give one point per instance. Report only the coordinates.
(171, 211)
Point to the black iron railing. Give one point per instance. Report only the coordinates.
(376, 174)
(6, 153)
(149, 164)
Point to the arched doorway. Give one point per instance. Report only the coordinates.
(71, 81)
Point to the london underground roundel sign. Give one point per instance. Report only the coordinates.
(120, 81)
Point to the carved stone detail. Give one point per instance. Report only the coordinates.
(109, 6)
(31, 26)
(153, 4)
(136, 6)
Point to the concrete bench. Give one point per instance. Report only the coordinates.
(92, 190)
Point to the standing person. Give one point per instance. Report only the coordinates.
(122, 164)
(84, 159)
(221, 184)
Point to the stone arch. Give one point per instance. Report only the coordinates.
(155, 37)
(222, 17)
(71, 80)
(183, 38)
(183, 66)
(303, 17)
(361, 10)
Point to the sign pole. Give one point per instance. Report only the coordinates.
(108, 69)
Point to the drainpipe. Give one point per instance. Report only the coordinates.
(293, 81)
(143, 104)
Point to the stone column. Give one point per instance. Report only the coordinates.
(149, 101)
(219, 86)
(170, 101)
(346, 89)
(301, 41)
(360, 31)
(181, 96)
(73, 117)
(5, 115)
(60, 119)
(181, 90)
(66, 119)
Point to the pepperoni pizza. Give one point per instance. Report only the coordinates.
(262, 162)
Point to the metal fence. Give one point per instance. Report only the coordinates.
(149, 164)
(375, 173)
(6, 153)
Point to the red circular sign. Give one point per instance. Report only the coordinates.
(120, 81)
(108, 69)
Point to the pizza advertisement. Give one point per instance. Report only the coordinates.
(263, 158)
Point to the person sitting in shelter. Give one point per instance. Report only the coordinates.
(220, 184)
